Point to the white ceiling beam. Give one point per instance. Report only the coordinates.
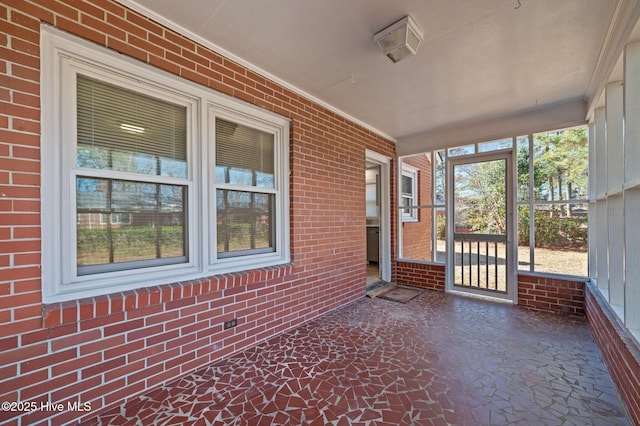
(541, 119)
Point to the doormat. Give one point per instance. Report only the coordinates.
(379, 288)
(400, 294)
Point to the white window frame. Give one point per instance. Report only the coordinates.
(63, 57)
(424, 208)
(263, 122)
(70, 69)
(412, 173)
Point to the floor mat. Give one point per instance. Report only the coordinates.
(400, 294)
(379, 288)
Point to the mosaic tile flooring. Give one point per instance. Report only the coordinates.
(437, 360)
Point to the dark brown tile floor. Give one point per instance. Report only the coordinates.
(437, 360)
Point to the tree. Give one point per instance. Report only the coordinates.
(481, 196)
(561, 162)
(560, 173)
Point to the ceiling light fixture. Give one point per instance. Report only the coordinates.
(399, 40)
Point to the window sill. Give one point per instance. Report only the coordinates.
(409, 220)
(421, 262)
(553, 275)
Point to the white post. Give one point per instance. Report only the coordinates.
(593, 217)
(602, 230)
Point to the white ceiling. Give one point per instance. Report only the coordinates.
(480, 59)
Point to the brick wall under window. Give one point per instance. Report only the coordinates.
(103, 349)
(550, 294)
(541, 293)
(423, 275)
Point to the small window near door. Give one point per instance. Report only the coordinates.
(409, 193)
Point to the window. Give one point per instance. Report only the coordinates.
(409, 193)
(123, 134)
(495, 145)
(552, 202)
(551, 197)
(245, 190)
(154, 179)
(418, 210)
(248, 203)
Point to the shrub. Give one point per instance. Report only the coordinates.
(553, 229)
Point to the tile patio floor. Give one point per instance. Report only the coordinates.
(436, 360)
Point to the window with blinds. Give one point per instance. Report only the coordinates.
(244, 156)
(150, 179)
(123, 130)
(119, 130)
(245, 195)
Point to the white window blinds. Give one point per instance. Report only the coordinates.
(244, 156)
(123, 130)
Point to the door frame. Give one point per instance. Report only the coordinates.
(512, 232)
(384, 163)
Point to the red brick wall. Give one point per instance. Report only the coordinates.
(101, 350)
(551, 294)
(618, 349)
(423, 275)
(534, 292)
(416, 236)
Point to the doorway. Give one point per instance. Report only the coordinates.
(481, 226)
(372, 201)
(378, 232)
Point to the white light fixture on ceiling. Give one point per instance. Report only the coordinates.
(399, 40)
